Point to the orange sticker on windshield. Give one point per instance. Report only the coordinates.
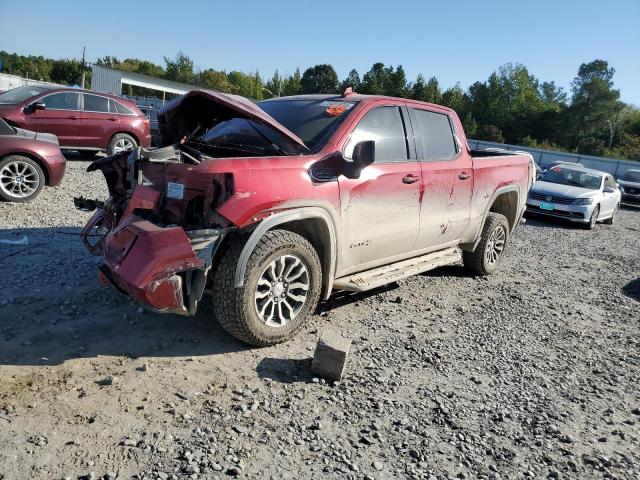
(335, 110)
(556, 169)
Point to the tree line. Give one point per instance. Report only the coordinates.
(510, 106)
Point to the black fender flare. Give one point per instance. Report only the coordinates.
(285, 217)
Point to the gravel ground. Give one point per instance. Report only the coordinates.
(531, 373)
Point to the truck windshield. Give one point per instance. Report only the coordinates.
(242, 137)
(311, 120)
(573, 178)
(20, 94)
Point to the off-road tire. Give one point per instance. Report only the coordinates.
(610, 220)
(476, 261)
(34, 166)
(111, 148)
(234, 308)
(592, 223)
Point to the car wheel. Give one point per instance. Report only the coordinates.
(493, 241)
(21, 179)
(121, 142)
(609, 221)
(594, 218)
(281, 289)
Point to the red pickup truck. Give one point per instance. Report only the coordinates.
(271, 206)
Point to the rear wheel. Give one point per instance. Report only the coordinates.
(281, 289)
(484, 260)
(121, 142)
(21, 179)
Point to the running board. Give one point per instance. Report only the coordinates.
(359, 282)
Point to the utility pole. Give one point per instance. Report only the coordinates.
(83, 66)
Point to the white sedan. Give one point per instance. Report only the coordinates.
(577, 194)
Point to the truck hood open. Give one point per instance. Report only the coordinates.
(203, 108)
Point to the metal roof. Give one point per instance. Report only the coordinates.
(109, 80)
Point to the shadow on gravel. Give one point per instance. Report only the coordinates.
(285, 370)
(81, 156)
(343, 298)
(448, 271)
(53, 309)
(632, 289)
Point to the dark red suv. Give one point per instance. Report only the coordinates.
(81, 119)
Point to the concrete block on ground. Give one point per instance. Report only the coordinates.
(330, 357)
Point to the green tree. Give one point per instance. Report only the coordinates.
(396, 82)
(274, 86)
(594, 104)
(292, 84)
(213, 80)
(426, 91)
(490, 133)
(375, 80)
(352, 80)
(455, 98)
(67, 71)
(319, 79)
(180, 69)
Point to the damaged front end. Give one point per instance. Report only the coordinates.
(159, 229)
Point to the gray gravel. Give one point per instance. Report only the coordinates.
(531, 373)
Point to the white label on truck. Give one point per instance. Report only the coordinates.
(175, 190)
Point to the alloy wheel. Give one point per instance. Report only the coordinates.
(19, 179)
(495, 245)
(123, 145)
(281, 291)
(594, 217)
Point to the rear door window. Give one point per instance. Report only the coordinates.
(62, 101)
(434, 136)
(122, 109)
(95, 103)
(383, 125)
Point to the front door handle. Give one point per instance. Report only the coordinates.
(464, 176)
(72, 117)
(410, 179)
(111, 119)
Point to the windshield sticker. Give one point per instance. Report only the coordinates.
(336, 108)
(333, 103)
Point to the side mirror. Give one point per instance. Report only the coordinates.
(37, 106)
(609, 190)
(364, 153)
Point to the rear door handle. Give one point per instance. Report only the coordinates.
(464, 176)
(72, 117)
(410, 179)
(111, 119)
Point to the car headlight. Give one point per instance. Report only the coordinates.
(583, 201)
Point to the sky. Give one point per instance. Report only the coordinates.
(462, 41)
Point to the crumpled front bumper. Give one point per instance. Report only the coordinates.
(163, 268)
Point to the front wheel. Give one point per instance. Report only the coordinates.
(21, 179)
(281, 289)
(484, 260)
(594, 218)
